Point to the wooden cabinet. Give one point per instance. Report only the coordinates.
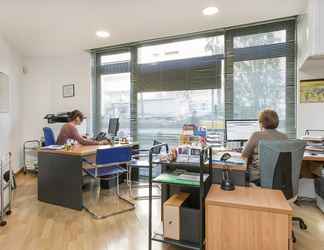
(247, 219)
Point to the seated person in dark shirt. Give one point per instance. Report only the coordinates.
(69, 131)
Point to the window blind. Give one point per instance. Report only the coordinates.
(268, 60)
(182, 74)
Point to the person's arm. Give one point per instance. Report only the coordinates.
(81, 140)
(249, 147)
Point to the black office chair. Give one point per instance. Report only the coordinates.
(280, 163)
(141, 161)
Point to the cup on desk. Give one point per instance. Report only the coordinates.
(68, 145)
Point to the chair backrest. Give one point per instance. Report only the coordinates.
(156, 150)
(280, 163)
(114, 155)
(49, 136)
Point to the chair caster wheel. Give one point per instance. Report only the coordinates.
(302, 225)
(3, 223)
(8, 212)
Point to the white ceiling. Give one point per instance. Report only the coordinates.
(57, 27)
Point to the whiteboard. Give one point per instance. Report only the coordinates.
(4, 93)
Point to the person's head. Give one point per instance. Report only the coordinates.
(268, 119)
(76, 117)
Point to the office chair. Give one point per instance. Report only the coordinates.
(107, 167)
(141, 161)
(49, 136)
(280, 163)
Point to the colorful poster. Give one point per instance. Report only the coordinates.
(312, 91)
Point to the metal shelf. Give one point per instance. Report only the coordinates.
(200, 186)
(29, 147)
(188, 245)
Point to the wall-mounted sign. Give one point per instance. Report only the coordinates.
(4, 93)
(68, 90)
(312, 91)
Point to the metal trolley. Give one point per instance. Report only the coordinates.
(30, 156)
(6, 184)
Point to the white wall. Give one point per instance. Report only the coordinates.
(42, 89)
(10, 123)
(310, 115)
(310, 33)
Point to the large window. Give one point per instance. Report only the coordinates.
(263, 75)
(259, 84)
(156, 87)
(180, 83)
(161, 115)
(115, 91)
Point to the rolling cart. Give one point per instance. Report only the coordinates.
(6, 184)
(30, 156)
(202, 186)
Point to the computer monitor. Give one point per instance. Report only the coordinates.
(113, 126)
(240, 130)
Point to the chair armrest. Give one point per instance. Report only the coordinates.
(88, 162)
(143, 150)
(139, 155)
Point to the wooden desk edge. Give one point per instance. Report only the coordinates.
(209, 201)
(249, 207)
(232, 167)
(313, 158)
(83, 150)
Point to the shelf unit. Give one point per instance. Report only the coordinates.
(193, 184)
(5, 188)
(28, 148)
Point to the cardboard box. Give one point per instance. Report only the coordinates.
(171, 215)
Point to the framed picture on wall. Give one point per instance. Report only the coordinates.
(312, 91)
(68, 90)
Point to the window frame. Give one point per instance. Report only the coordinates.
(272, 50)
(287, 49)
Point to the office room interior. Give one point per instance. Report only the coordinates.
(155, 125)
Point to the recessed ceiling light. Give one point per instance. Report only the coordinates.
(209, 11)
(102, 34)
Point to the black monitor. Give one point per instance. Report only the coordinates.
(113, 126)
(240, 130)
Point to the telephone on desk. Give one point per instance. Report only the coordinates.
(101, 136)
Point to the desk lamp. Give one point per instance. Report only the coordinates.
(227, 184)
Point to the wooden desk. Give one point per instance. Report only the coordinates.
(60, 176)
(314, 158)
(312, 166)
(247, 219)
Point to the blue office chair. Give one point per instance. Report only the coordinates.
(49, 136)
(280, 163)
(107, 167)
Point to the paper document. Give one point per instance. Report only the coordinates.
(54, 147)
(191, 177)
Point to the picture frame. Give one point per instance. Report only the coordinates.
(68, 90)
(312, 91)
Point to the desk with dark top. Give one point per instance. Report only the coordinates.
(60, 176)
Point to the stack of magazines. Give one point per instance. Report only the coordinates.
(314, 143)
